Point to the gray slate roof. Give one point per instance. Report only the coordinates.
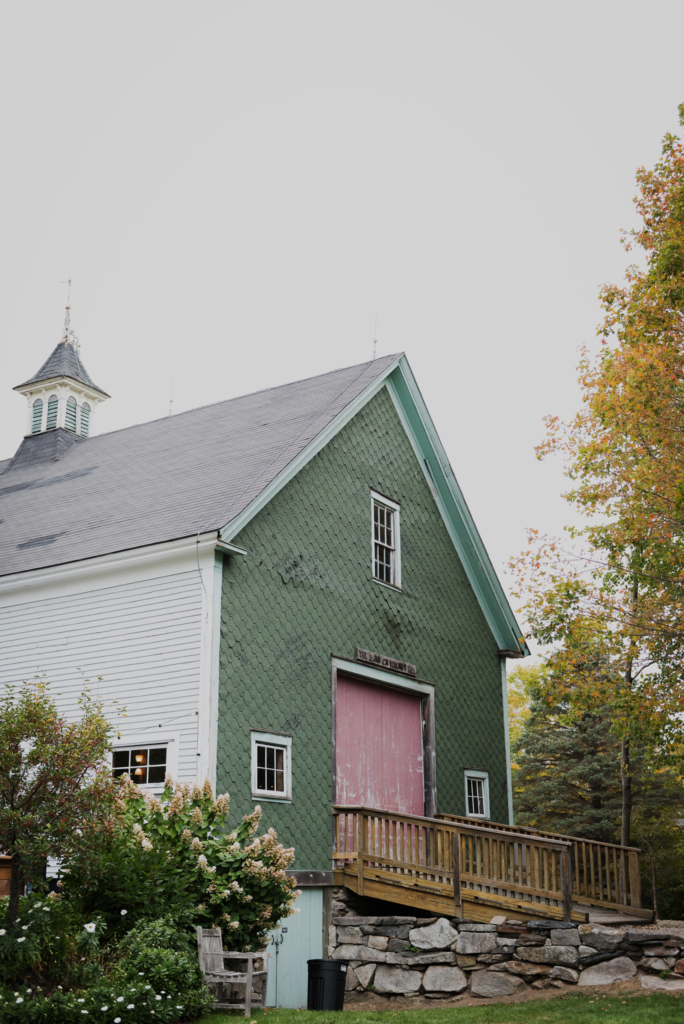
(64, 361)
(171, 478)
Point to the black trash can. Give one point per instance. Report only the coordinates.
(326, 985)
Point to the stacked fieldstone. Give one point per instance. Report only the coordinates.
(440, 957)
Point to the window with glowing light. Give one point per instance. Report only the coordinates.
(145, 765)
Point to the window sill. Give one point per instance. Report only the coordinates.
(264, 798)
(390, 586)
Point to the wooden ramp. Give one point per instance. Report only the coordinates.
(453, 867)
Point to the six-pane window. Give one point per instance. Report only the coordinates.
(145, 765)
(270, 768)
(476, 804)
(477, 794)
(384, 550)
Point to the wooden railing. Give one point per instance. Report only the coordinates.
(452, 862)
(603, 875)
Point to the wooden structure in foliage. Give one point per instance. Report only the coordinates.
(223, 983)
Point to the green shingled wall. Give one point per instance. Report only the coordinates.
(305, 592)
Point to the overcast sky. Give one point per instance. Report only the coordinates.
(238, 188)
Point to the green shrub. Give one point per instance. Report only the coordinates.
(172, 856)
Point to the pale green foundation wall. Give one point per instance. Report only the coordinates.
(298, 939)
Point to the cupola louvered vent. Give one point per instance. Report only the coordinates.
(85, 419)
(37, 416)
(70, 415)
(52, 413)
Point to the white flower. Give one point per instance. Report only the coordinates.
(157, 997)
(119, 999)
(179, 1007)
(20, 1000)
(117, 1020)
(141, 974)
(90, 927)
(80, 1000)
(103, 1008)
(147, 986)
(24, 927)
(123, 913)
(131, 1006)
(46, 909)
(22, 939)
(3, 931)
(147, 845)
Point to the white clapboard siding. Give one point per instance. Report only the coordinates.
(143, 638)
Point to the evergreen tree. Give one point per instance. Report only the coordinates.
(567, 766)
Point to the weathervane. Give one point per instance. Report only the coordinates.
(68, 332)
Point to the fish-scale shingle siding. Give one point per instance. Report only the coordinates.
(305, 592)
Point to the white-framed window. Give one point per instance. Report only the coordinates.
(386, 547)
(145, 765)
(271, 766)
(146, 758)
(477, 794)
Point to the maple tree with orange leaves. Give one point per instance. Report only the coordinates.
(617, 587)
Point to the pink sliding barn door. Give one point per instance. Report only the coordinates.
(379, 747)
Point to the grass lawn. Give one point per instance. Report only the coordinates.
(573, 1009)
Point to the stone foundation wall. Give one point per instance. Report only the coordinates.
(441, 958)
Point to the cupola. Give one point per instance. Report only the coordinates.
(61, 396)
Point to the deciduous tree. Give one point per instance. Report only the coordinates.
(56, 790)
(618, 583)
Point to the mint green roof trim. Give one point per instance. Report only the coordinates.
(430, 452)
(412, 411)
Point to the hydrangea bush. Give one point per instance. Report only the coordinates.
(116, 941)
(173, 855)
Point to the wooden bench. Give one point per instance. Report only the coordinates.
(223, 983)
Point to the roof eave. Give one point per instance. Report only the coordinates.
(62, 378)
